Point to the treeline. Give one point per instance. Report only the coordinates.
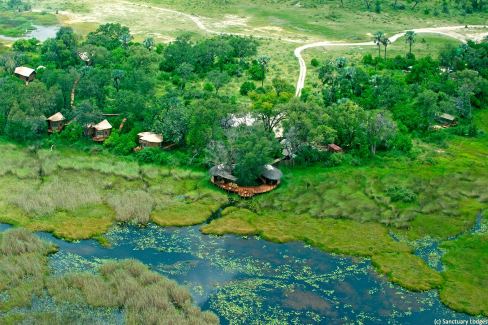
(175, 90)
(428, 7)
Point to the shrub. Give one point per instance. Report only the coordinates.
(315, 63)
(247, 87)
(399, 193)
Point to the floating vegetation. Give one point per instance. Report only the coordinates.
(124, 292)
(266, 282)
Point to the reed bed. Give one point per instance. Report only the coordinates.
(132, 206)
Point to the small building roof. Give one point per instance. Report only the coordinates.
(334, 147)
(56, 117)
(236, 120)
(24, 71)
(222, 171)
(84, 56)
(271, 173)
(150, 137)
(447, 117)
(103, 125)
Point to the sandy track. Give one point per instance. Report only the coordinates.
(449, 31)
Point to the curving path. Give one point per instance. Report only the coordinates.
(449, 31)
(445, 31)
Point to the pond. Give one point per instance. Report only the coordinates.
(42, 33)
(252, 281)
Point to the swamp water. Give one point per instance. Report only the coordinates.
(252, 281)
(42, 33)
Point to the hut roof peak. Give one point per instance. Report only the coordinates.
(103, 125)
(24, 71)
(271, 172)
(56, 117)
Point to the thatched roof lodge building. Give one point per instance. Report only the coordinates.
(271, 175)
(150, 139)
(55, 122)
(26, 74)
(99, 132)
(222, 177)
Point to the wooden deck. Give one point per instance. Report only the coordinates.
(245, 191)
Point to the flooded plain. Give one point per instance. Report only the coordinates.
(252, 281)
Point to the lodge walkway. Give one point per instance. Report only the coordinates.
(245, 191)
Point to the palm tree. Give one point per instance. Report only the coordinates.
(410, 39)
(378, 37)
(148, 43)
(385, 41)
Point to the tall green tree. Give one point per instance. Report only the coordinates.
(378, 40)
(385, 41)
(410, 39)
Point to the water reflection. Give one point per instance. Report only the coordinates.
(42, 33)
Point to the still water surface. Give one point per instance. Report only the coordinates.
(252, 281)
(42, 33)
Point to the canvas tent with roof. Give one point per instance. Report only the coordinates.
(26, 74)
(446, 119)
(99, 132)
(55, 122)
(150, 139)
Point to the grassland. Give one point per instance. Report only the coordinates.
(277, 19)
(78, 196)
(143, 296)
(317, 19)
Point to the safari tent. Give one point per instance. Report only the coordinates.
(150, 139)
(446, 119)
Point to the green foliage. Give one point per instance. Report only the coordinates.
(121, 144)
(109, 35)
(400, 193)
(247, 87)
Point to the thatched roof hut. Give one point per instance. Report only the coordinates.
(222, 173)
(26, 74)
(55, 122)
(271, 173)
(150, 139)
(99, 132)
(103, 126)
